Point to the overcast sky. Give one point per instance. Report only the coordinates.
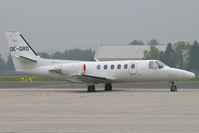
(51, 25)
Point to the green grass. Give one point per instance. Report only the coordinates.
(27, 78)
(195, 79)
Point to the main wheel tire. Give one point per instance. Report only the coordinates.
(172, 89)
(91, 88)
(108, 87)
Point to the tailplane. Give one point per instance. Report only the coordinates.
(23, 56)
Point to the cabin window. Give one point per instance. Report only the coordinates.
(132, 66)
(152, 65)
(118, 66)
(98, 67)
(105, 67)
(112, 66)
(125, 66)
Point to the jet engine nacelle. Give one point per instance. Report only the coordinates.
(72, 68)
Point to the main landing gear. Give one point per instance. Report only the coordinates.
(108, 87)
(91, 88)
(173, 87)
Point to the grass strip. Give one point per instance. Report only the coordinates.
(25, 78)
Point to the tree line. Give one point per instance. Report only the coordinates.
(138, 42)
(73, 54)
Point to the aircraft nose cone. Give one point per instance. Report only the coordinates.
(189, 75)
(179, 74)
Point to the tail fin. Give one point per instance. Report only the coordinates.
(23, 55)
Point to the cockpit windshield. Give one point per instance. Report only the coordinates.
(152, 65)
(159, 64)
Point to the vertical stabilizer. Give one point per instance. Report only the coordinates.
(22, 54)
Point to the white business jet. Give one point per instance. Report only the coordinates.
(90, 73)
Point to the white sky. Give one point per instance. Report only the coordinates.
(51, 25)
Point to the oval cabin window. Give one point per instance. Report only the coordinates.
(125, 66)
(98, 67)
(118, 66)
(112, 66)
(105, 67)
(132, 66)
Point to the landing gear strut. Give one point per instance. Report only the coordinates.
(91, 88)
(173, 87)
(108, 87)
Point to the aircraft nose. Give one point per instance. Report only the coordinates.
(179, 74)
(191, 75)
(188, 75)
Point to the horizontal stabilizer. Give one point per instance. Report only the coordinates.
(27, 59)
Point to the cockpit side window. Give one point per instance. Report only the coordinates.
(152, 65)
(159, 64)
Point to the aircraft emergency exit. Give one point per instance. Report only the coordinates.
(90, 73)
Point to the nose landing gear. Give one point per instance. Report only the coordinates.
(173, 87)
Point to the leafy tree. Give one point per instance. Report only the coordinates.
(58, 55)
(182, 45)
(9, 64)
(44, 55)
(194, 56)
(181, 53)
(2, 64)
(153, 42)
(154, 53)
(74, 54)
(169, 55)
(78, 54)
(136, 42)
(162, 56)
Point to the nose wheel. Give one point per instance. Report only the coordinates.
(173, 87)
(91, 88)
(108, 87)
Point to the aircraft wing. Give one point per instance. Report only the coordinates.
(83, 77)
(92, 78)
